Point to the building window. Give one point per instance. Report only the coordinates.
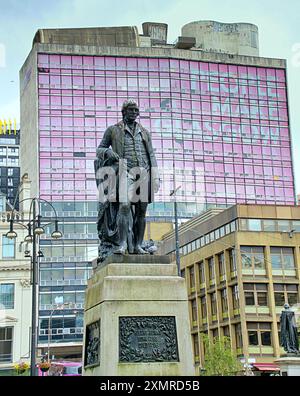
(2, 203)
(6, 341)
(221, 264)
(282, 258)
(213, 303)
(253, 257)
(192, 278)
(235, 297)
(238, 336)
(285, 294)
(215, 333)
(269, 225)
(201, 273)
(259, 334)
(8, 247)
(211, 269)
(183, 273)
(232, 261)
(194, 311)
(196, 346)
(254, 225)
(203, 307)
(226, 331)
(256, 294)
(7, 295)
(224, 300)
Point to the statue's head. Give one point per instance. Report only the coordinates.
(130, 110)
(286, 306)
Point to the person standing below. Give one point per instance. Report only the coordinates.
(127, 149)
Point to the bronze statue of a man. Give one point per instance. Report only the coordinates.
(127, 176)
(288, 331)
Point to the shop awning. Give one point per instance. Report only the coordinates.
(266, 366)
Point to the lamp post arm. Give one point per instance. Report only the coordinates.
(23, 200)
(49, 203)
(31, 205)
(25, 221)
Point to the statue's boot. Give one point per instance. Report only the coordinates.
(122, 227)
(140, 250)
(121, 249)
(139, 234)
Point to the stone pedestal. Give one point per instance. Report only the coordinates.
(136, 319)
(289, 365)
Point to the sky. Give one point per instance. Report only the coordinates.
(277, 21)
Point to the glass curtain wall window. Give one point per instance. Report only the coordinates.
(285, 294)
(98, 84)
(252, 257)
(7, 295)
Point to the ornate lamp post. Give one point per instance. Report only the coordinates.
(34, 226)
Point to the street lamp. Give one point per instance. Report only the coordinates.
(35, 229)
(173, 193)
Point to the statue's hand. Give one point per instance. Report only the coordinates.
(112, 155)
(156, 185)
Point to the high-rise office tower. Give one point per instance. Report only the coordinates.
(217, 112)
(9, 164)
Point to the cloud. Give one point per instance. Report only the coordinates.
(10, 110)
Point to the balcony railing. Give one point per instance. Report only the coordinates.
(63, 282)
(61, 330)
(73, 236)
(71, 213)
(47, 307)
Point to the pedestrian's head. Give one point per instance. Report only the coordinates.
(130, 110)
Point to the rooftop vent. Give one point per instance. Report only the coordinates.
(185, 42)
(157, 32)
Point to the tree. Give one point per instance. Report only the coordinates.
(219, 357)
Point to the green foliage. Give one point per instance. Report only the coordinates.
(219, 358)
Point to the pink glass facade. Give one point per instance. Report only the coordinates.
(224, 127)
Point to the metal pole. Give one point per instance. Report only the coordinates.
(49, 329)
(176, 237)
(34, 284)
